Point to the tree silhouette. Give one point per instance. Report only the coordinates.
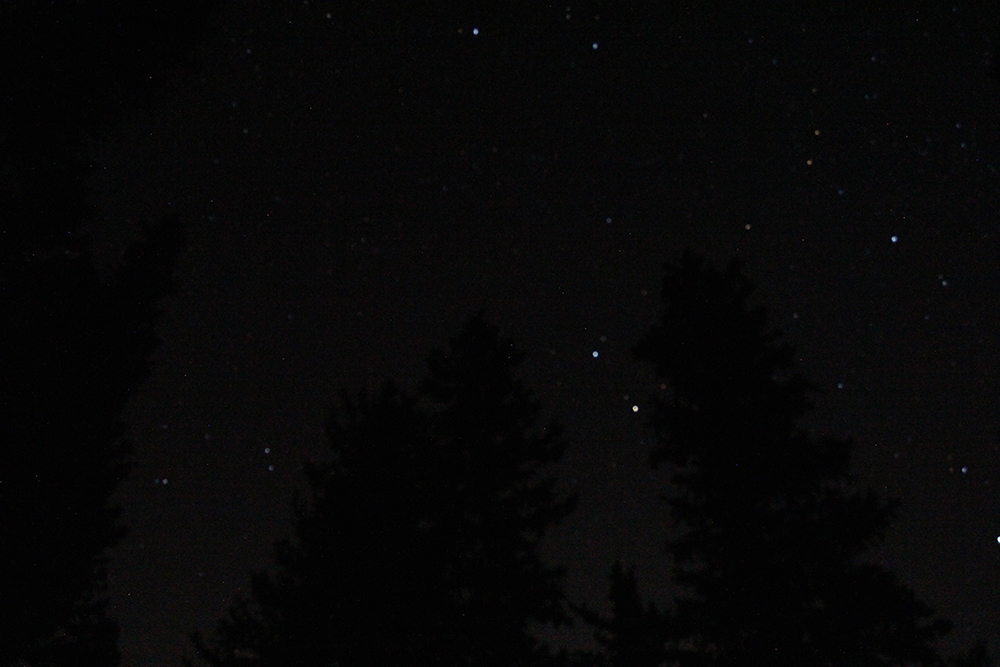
(634, 635)
(421, 541)
(77, 347)
(772, 530)
(77, 343)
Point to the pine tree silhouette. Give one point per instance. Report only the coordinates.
(421, 541)
(773, 531)
(634, 635)
(485, 421)
(350, 587)
(76, 343)
(78, 347)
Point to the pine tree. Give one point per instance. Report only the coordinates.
(350, 589)
(78, 346)
(486, 425)
(421, 541)
(772, 531)
(634, 635)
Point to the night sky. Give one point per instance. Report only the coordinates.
(358, 177)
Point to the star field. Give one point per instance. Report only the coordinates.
(356, 182)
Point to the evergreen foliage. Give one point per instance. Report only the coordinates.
(78, 347)
(421, 541)
(772, 531)
(76, 344)
(635, 635)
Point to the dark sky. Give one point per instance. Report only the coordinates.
(356, 180)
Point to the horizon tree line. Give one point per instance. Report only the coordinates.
(420, 541)
(772, 534)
